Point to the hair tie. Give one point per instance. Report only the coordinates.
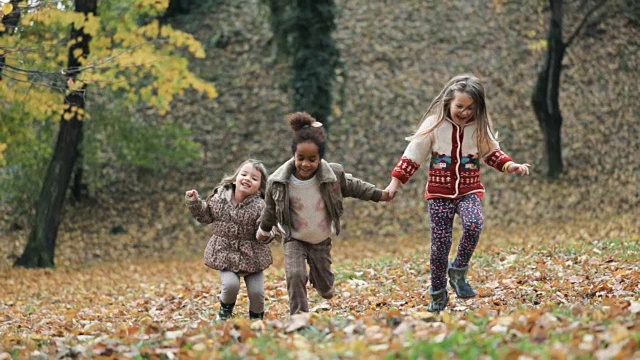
(313, 124)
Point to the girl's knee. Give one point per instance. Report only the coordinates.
(297, 276)
(231, 287)
(256, 295)
(472, 225)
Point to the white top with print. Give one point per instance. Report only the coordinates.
(311, 221)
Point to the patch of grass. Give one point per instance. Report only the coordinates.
(457, 345)
(378, 263)
(267, 346)
(315, 334)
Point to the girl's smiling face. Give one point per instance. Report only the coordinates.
(307, 160)
(248, 181)
(462, 108)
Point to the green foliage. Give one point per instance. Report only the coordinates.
(122, 138)
(30, 147)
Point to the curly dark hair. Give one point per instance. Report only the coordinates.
(306, 128)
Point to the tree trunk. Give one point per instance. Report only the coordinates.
(79, 189)
(545, 98)
(40, 249)
(41, 245)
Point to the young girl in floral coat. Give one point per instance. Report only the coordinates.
(233, 209)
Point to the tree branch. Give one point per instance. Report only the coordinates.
(66, 72)
(576, 32)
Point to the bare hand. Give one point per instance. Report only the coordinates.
(521, 169)
(191, 195)
(392, 189)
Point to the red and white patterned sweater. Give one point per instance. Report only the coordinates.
(454, 169)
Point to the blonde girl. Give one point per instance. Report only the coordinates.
(455, 134)
(233, 209)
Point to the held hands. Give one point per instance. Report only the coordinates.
(191, 195)
(392, 190)
(262, 235)
(521, 169)
(386, 196)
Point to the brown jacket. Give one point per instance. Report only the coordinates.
(335, 185)
(233, 245)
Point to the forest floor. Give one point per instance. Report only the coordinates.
(562, 291)
(556, 270)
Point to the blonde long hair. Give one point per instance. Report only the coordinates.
(466, 84)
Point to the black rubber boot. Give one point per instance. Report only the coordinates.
(439, 300)
(226, 311)
(457, 280)
(256, 316)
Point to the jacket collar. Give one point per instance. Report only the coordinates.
(324, 173)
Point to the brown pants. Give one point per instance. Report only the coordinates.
(296, 256)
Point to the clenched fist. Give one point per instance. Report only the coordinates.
(191, 195)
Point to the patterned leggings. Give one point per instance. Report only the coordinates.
(442, 212)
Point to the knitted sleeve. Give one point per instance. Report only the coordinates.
(416, 153)
(494, 156)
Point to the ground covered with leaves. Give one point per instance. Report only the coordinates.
(557, 269)
(542, 294)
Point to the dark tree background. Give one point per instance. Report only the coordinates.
(302, 30)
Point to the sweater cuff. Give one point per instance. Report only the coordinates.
(497, 159)
(405, 169)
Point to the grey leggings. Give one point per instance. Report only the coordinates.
(231, 288)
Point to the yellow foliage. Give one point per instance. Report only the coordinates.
(3, 148)
(77, 53)
(91, 25)
(122, 53)
(539, 45)
(6, 9)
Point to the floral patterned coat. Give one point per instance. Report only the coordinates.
(233, 245)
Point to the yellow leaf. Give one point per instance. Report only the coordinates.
(6, 9)
(539, 45)
(77, 53)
